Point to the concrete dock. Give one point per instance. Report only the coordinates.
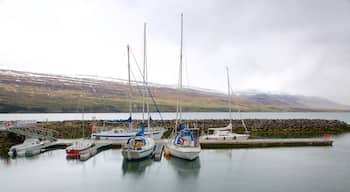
(259, 143)
(158, 151)
(98, 147)
(216, 144)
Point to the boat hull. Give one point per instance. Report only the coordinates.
(188, 153)
(75, 151)
(125, 136)
(137, 154)
(28, 148)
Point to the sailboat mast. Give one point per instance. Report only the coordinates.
(180, 74)
(129, 82)
(229, 93)
(144, 73)
(178, 102)
(82, 117)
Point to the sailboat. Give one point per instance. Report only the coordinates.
(119, 133)
(123, 134)
(79, 146)
(139, 146)
(225, 133)
(183, 143)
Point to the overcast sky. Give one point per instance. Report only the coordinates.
(295, 46)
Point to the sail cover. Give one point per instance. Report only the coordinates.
(181, 127)
(142, 130)
(121, 120)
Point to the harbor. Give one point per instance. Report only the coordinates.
(55, 135)
(174, 96)
(102, 145)
(248, 169)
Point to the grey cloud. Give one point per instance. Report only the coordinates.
(294, 46)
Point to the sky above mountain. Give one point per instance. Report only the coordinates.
(293, 46)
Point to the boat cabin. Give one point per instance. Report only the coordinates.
(136, 143)
(185, 138)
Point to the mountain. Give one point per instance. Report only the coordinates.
(36, 92)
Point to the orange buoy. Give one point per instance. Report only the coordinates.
(166, 153)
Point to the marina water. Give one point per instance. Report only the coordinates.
(269, 169)
(265, 169)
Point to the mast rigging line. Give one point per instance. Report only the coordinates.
(146, 86)
(239, 113)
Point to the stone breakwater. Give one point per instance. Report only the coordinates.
(7, 140)
(258, 128)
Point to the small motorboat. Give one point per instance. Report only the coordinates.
(29, 145)
(77, 148)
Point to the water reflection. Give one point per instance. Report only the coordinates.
(136, 167)
(185, 168)
(3, 152)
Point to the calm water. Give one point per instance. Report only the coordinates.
(270, 169)
(343, 116)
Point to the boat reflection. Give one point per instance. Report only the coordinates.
(136, 167)
(185, 168)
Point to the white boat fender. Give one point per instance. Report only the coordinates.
(14, 152)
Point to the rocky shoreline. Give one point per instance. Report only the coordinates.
(8, 139)
(270, 128)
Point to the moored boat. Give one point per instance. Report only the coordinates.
(80, 146)
(29, 145)
(138, 148)
(184, 146)
(125, 134)
(183, 143)
(77, 148)
(225, 133)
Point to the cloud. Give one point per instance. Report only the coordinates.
(290, 46)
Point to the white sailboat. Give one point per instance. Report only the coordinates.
(119, 133)
(139, 146)
(183, 144)
(225, 133)
(125, 134)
